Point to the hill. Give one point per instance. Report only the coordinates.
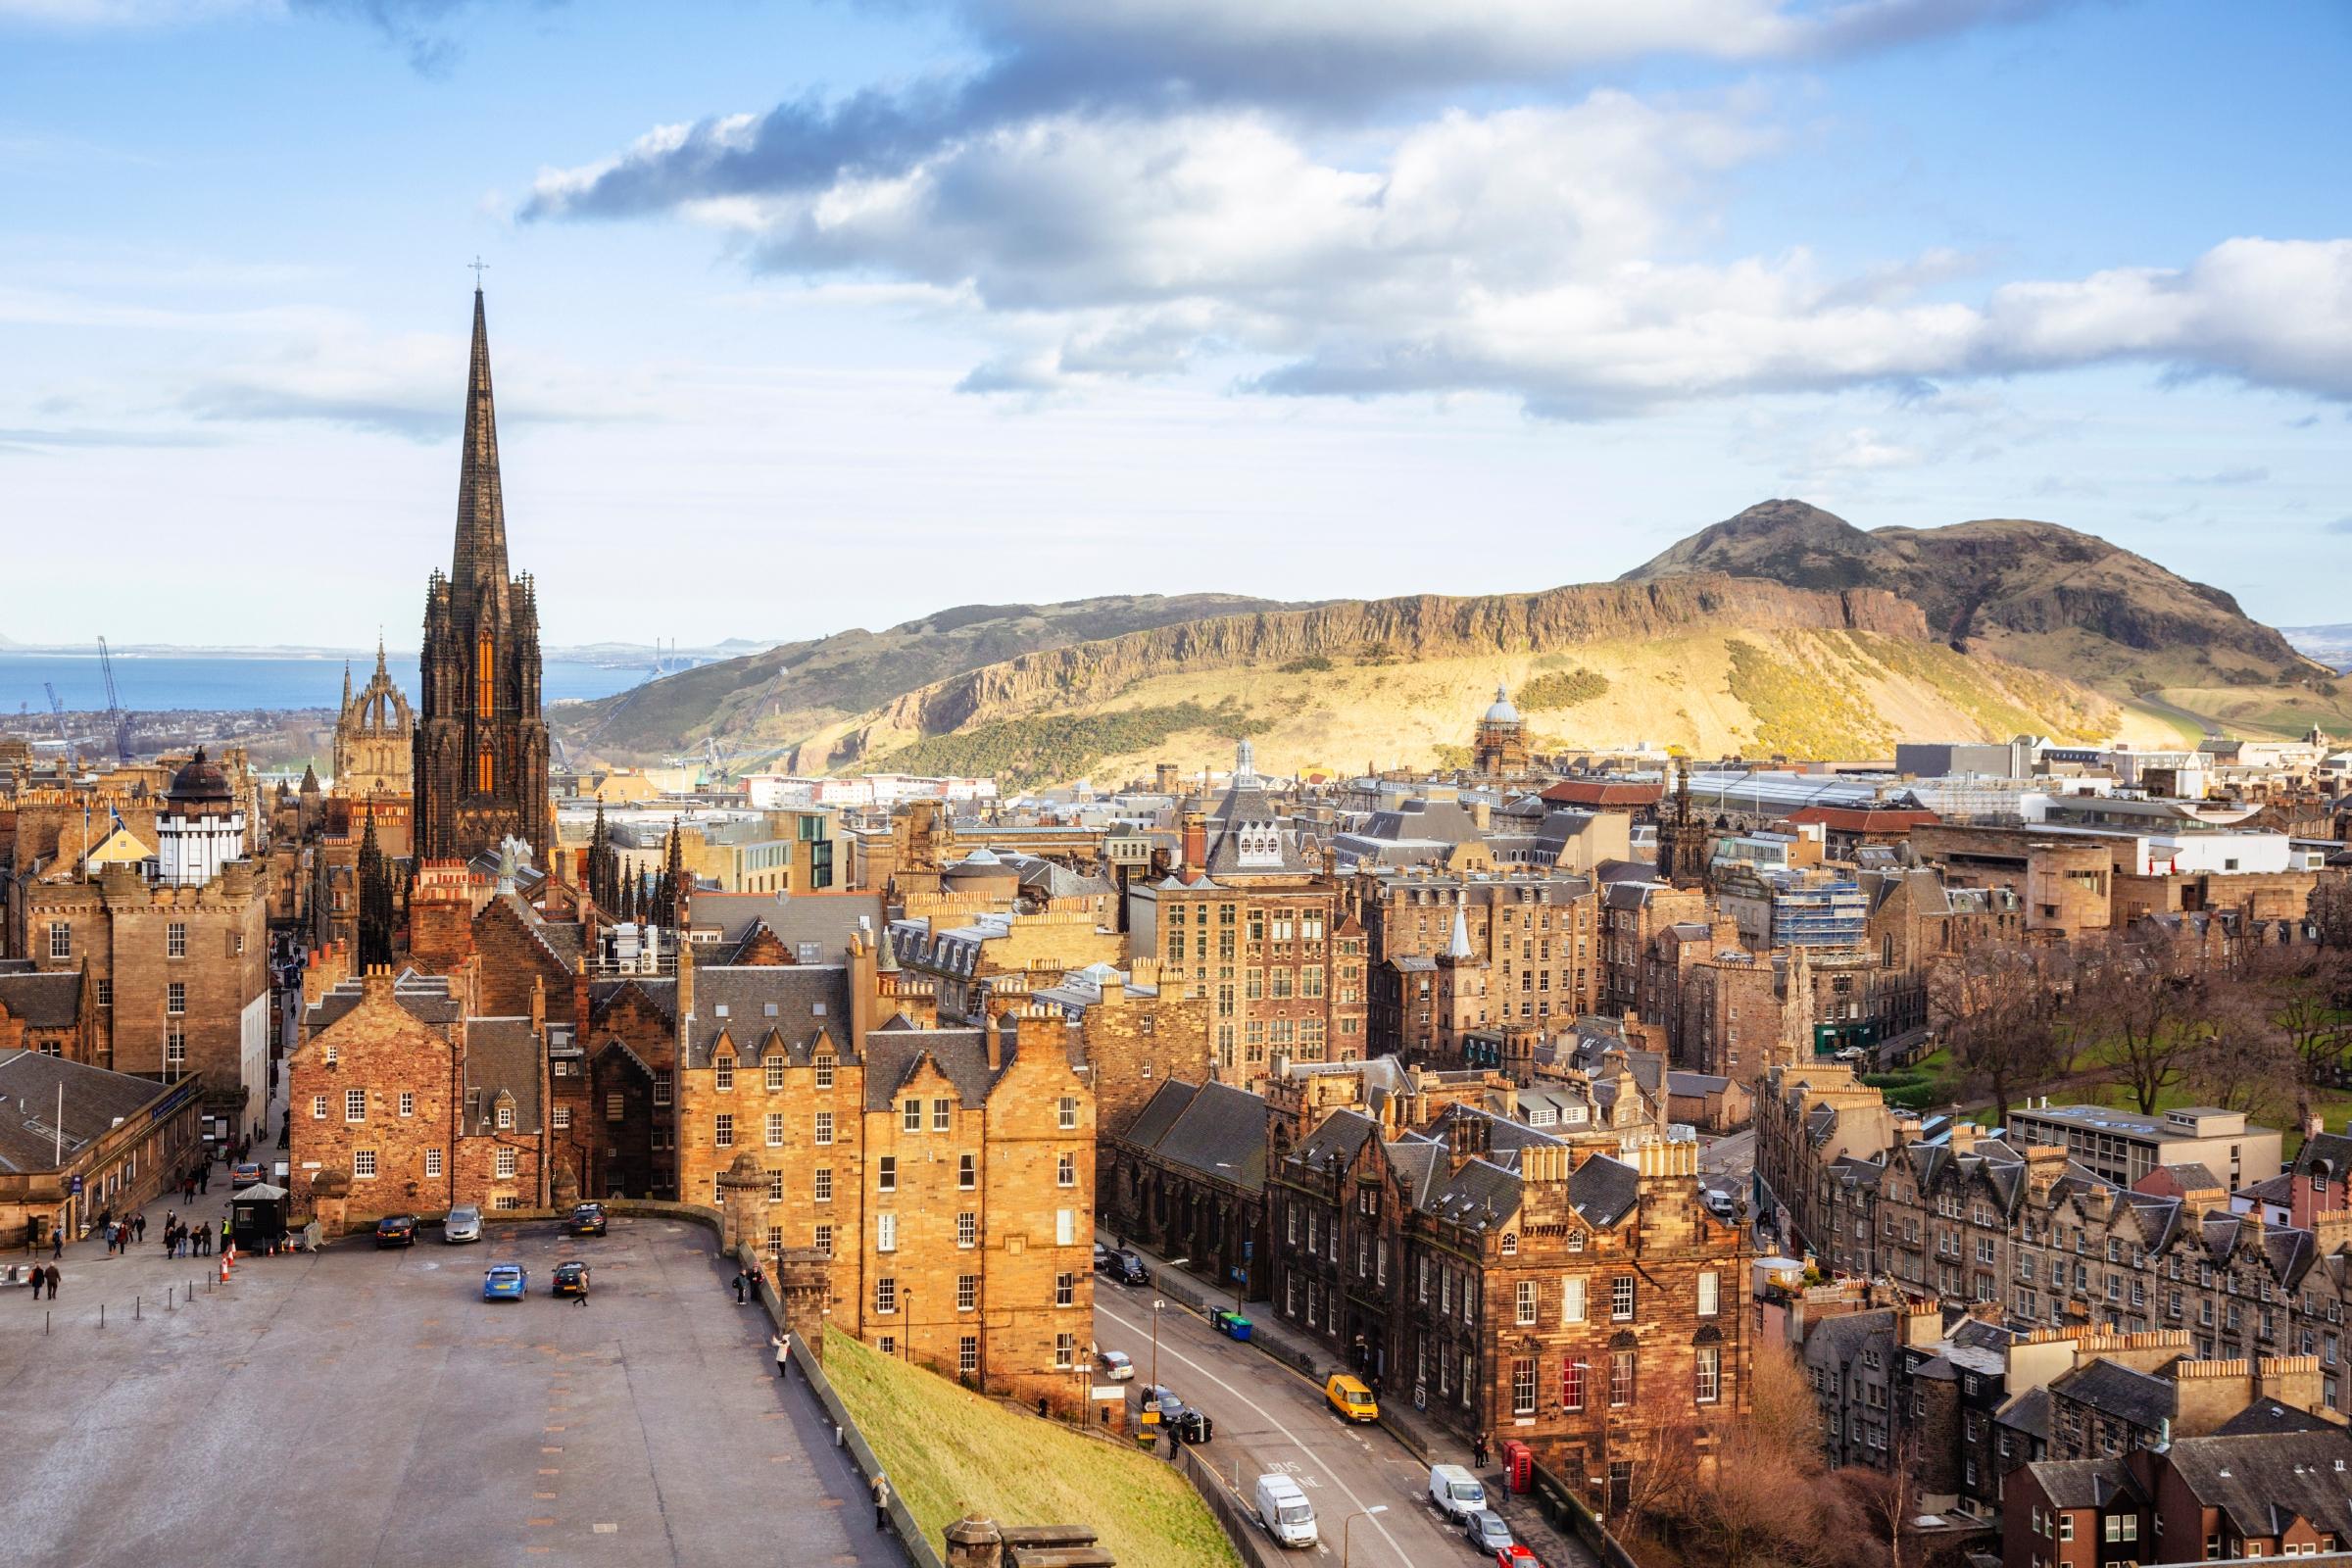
(1709, 663)
(780, 696)
(2032, 593)
(2330, 645)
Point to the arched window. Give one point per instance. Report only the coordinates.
(485, 685)
(482, 772)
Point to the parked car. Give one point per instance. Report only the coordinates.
(1456, 1491)
(396, 1230)
(1486, 1529)
(1350, 1399)
(1127, 1269)
(587, 1219)
(1515, 1555)
(1283, 1509)
(506, 1281)
(1100, 1252)
(464, 1224)
(1115, 1366)
(245, 1173)
(571, 1278)
(1163, 1398)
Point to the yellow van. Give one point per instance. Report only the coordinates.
(1350, 1399)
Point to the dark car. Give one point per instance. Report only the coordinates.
(571, 1278)
(396, 1230)
(587, 1219)
(1163, 1398)
(1127, 1269)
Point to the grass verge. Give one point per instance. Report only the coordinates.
(949, 1452)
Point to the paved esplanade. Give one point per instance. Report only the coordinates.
(365, 1407)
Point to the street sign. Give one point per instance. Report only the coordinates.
(1109, 1393)
(77, 1186)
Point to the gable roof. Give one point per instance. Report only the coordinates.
(2113, 1388)
(797, 1002)
(1218, 1131)
(502, 1056)
(42, 998)
(2265, 1482)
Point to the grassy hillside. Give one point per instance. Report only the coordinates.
(950, 1452)
(1798, 691)
(777, 697)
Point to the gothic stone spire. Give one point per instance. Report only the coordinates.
(482, 548)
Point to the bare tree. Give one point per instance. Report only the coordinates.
(2305, 991)
(2132, 994)
(2330, 913)
(2244, 1061)
(1889, 1500)
(1996, 1009)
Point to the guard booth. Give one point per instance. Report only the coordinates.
(256, 1216)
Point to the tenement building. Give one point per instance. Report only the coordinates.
(946, 1173)
(1249, 924)
(1513, 1285)
(173, 946)
(1531, 940)
(480, 755)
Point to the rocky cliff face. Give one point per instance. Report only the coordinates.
(1419, 628)
(2041, 595)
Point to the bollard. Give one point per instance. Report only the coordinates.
(45, 1317)
(138, 1312)
(102, 1315)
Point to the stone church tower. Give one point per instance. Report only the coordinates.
(480, 760)
(375, 738)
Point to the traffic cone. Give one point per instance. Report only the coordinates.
(225, 1268)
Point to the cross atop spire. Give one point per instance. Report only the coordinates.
(480, 556)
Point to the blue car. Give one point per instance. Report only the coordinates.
(504, 1282)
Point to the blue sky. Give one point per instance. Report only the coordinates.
(814, 316)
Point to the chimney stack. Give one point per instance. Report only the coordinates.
(1195, 845)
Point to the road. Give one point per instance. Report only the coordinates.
(1269, 1418)
(2212, 730)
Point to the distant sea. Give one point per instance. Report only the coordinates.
(196, 681)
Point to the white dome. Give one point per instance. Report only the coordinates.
(1502, 712)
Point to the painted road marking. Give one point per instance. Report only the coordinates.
(1371, 1519)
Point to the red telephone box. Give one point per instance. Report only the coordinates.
(1518, 1464)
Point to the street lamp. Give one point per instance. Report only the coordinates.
(1156, 1304)
(1348, 1526)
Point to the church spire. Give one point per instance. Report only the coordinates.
(347, 686)
(481, 547)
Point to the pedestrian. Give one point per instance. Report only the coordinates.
(54, 1277)
(139, 1226)
(881, 1483)
(783, 1351)
(739, 1298)
(1478, 1451)
(56, 1241)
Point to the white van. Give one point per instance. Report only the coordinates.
(1284, 1511)
(1456, 1492)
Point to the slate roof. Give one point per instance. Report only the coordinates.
(660, 992)
(1841, 1339)
(824, 918)
(2270, 1415)
(2084, 1482)
(42, 1000)
(1695, 1083)
(2113, 1388)
(2333, 1149)
(1159, 1112)
(893, 1056)
(1604, 1190)
(1344, 1133)
(2028, 1413)
(2265, 1482)
(806, 999)
(2192, 1176)
(425, 997)
(1219, 1132)
(500, 1054)
(94, 1098)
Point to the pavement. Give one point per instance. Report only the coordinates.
(1270, 1416)
(364, 1408)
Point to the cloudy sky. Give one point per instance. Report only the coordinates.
(809, 316)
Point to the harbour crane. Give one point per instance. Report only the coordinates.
(58, 710)
(115, 718)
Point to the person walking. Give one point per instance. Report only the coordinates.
(54, 1277)
(881, 1487)
(739, 1298)
(56, 1241)
(783, 1349)
(138, 1228)
(1478, 1451)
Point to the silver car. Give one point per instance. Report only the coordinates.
(1487, 1532)
(464, 1224)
